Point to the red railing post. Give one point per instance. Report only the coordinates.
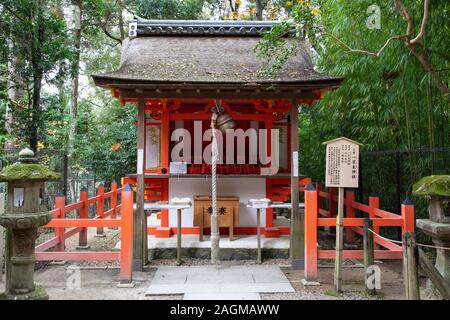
(165, 197)
(350, 213)
(101, 208)
(319, 200)
(60, 202)
(82, 240)
(374, 203)
(311, 215)
(113, 199)
(408, 216)
(126, 236)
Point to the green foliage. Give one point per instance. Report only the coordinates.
(107, 126)
(170, 9)
(35, 35)
(276, 48)
(386, 103)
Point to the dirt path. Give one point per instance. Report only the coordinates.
(98, 279)
(98, 283)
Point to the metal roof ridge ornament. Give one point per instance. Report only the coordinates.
(144, 27)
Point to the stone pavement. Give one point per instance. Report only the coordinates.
(219, 282)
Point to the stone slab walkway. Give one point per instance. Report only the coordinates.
(219, 282)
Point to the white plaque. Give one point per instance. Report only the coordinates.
(140, 161)
(178, 168)
(342, 163)
(295, 164)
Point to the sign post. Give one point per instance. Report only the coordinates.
(342, 162)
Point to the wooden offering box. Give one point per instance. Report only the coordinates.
(228, 208)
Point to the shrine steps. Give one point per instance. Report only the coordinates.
(243, 247)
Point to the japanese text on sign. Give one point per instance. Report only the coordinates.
(342, 164)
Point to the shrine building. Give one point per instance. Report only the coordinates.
(175, 72)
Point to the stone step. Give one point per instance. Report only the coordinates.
(225, 253)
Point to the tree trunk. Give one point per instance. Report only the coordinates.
(35, 111)
(36, 55)
(64, 159)
(15, 92)
(259, 10)
(121, 26)
(74, 93)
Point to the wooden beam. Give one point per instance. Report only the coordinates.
(139, 216)
(213, 94)
(297, 241)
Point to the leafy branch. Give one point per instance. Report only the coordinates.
(306, 15)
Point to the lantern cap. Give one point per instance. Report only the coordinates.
(27, 156)
(437, 185)
(27, 169)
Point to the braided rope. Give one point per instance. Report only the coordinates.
(215, 236)
(400, 242)
(393, 241)
(213, 173)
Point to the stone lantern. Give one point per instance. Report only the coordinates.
(437, 190)
(25, 211)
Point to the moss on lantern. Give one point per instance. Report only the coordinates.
(438, 185)
(27, 169)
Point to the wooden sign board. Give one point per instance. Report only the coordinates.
(342, 163)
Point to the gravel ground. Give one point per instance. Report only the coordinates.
(99, 282)
(99, 278)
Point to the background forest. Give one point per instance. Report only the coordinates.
(394, 103)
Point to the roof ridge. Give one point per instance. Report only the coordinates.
(143, 27)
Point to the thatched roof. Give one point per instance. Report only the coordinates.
(205, 52)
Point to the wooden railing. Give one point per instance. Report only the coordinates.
(104, 218)
(317, 216)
